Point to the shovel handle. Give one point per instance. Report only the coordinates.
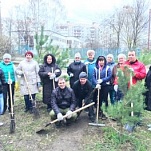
(78, 110)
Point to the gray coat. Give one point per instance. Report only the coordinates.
(30, 70)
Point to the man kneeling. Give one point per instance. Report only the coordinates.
(63, 102)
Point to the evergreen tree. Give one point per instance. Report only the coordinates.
(44, 46)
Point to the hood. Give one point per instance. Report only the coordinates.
(53, 59)
(97, 60)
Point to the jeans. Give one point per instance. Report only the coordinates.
(28, 102)
(1, 103)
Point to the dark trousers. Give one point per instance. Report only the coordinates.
(28, 101)
(112, 94)
(6, 94)
(103, 96)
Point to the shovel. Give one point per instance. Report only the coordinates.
(41, 131)
(34, 108)
(12, 116)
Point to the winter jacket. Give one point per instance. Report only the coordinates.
(105, 73)
(63, 98)
(8, 68)
(112, 65)
(82, 91)
(90, 64)
(148, 91)
(76, 68)
(30, 69)
(2, 80)
(139, 70)
(46, 81)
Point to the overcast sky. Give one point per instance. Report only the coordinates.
(85, 10)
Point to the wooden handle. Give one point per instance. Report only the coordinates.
(78, 110)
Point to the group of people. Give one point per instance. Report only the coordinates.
(84, 78)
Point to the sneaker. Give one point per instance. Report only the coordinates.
(1, 123)
(103, 117)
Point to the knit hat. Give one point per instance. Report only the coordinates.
(29, 53)
(6, 55)
(110, 55)
(77, 55)
(83, 75)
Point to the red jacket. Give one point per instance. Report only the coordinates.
(139, 70)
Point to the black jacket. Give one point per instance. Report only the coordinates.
(63, 98)
(76, 69)
(46, 82)
(82, 91)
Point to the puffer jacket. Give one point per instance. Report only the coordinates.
(2, 80)
(63, 98)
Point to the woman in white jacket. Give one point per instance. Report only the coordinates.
(28, 68)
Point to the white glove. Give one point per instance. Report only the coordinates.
(20, 72)
(131, 69)
(115, 87)
(69, 114)
(59, 116)
(71, 74)
(98, 86)
(9, 81)
(52, 76)
(86, 63)
(99, 81)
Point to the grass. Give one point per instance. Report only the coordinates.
(95, 139)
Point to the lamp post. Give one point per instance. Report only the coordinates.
(149, 29)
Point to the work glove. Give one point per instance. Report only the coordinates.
(38, 85)
(115, 88)
(20, 73)
(52, 76)
(69, 114)
(59, 116)
(16, 86)
(56, 79)
(9, 81)
(86, 63)
(71, 75)
(99, 81)
(131, 69)
(98, 86)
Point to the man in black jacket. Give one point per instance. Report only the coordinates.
(63, 102)
(83, 90)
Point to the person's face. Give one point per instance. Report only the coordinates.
(91, 56)
(7, 60)
(49, 59)
(28, 57)
(131, 56)
(101, 62)
(109, 59)
(83, 81)
(62, 84)
(121, 60)
(77, 59)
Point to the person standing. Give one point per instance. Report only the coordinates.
(82, 89)
(137, 67)
(111, 64)
(48, 73)
(2, 83)
(8, 68)
(75, 68)
(63, 102)
(101, 78)
(90, 64)
(28, 68)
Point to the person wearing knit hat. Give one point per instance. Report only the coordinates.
(6, 56)
(8, 67)
(75, 68)
(83, 75)
(82, 89)
(28, 68)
